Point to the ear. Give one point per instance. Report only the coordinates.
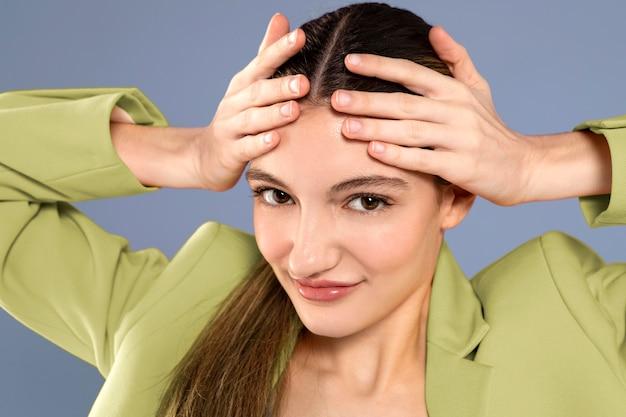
(455, 204)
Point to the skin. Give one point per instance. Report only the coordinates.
(368, 358)
(365, 353)
(371, 343)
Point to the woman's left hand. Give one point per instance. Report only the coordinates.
(472, 147)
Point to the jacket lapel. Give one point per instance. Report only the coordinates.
(456, 385)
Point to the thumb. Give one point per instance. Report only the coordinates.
(456, 57)
(277, 27)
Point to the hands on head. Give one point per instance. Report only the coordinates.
(455, 117)
(252, 106)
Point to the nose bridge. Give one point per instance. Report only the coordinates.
(314, 246)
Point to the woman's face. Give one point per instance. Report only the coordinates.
(305, 229)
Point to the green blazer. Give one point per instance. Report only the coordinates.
(540, 332)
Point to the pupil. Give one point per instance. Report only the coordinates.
(370, 200)
(279, 192)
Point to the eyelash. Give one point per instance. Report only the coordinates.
(256, 193)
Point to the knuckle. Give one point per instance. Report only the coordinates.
(236, 78)
(247, 151)
(417, 157)
(246, 119)
(233, 85)
(255, 61)
(465, 113)
(228, 159)
(222, 108)
(414, 129)
(466, 92)
(223, 128)
(406, 103)
(254, 92)
(423, 160)
(218, 127)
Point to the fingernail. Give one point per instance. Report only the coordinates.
(285, 109)
(343, 98)
(378, 147)
(354, 125)
(354, 59)
(294, 85)
(292, 36)
(267, 138)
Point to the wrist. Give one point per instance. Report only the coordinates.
(157, 156)
(567, 165)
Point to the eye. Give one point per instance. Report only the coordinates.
(262, 194)
(371, 201)
(368, 202)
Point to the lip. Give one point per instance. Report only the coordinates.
(322, 292)
(320, 283)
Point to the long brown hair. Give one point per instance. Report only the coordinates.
(229, 371)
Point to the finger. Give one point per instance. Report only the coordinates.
(403, 132)
(395, 106)
(269, 91)
(413, 159)
(456, 57)
(415, 77)
(277, 27)
(253, 146)
(258, 119)
(268, 61)
(119, 115)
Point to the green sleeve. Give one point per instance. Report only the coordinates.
(608, 209)
(61, 274)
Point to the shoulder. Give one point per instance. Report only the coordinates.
(542, 275)
(207, 267)
(556, 290)
(547, 255)
(217, 249)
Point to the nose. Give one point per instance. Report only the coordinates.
(314, 248)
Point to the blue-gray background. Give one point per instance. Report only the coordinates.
(551, 64)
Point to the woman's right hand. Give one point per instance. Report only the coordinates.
(250, 109)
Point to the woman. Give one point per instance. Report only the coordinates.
(237, 325)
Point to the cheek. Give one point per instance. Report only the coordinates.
(270, 235)
(380, 245)
(389, 245)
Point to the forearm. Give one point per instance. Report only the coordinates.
(568, 165)
(157, 156)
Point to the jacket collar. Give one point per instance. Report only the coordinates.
(455, 384)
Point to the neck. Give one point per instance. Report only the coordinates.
(378, 360)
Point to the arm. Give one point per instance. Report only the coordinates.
(569, 164)
(61, 274)
(159, 156)
(587, 163)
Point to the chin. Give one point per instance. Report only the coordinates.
(327, 329)
(326, 323)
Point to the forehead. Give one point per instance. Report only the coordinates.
(313, 148)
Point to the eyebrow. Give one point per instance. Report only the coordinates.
(356, 182)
